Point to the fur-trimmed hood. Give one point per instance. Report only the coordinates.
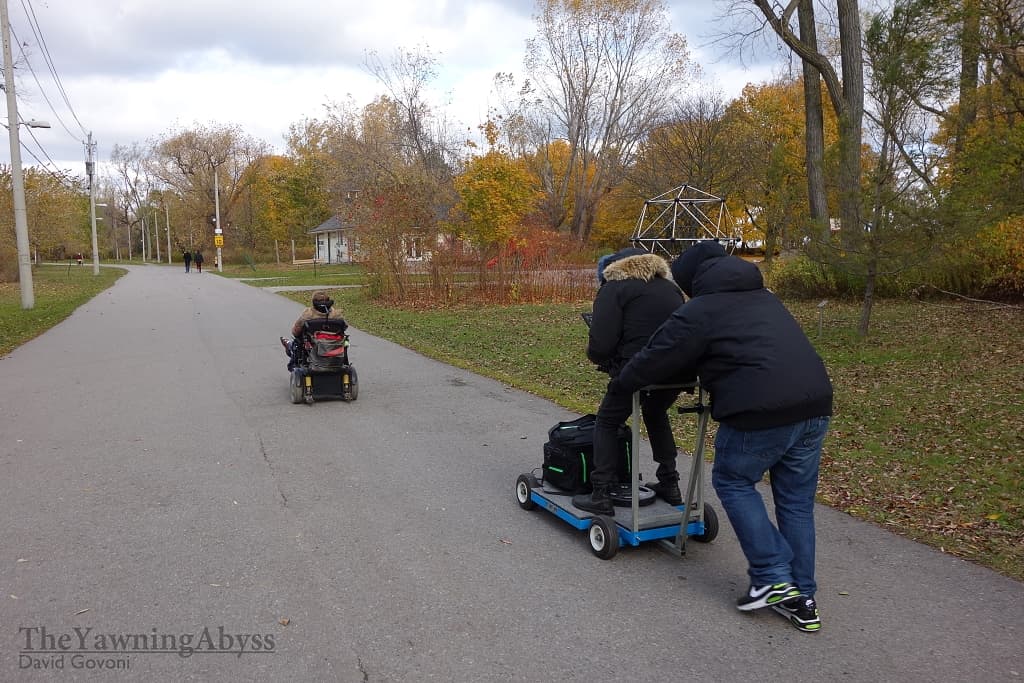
(639, 267)
(636, 298)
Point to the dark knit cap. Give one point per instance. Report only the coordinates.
(685, 267)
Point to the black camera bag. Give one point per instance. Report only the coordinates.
(569, 454)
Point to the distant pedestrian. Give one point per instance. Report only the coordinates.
(198, 260)
(188, 260)
(78, 257)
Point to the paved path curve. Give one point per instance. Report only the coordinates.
(155, 480)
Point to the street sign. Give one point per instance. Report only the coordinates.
(218, 240)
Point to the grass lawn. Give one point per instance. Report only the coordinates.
(928, 431)
(274, 275)
(58, 290)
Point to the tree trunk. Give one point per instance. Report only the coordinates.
(587, 224)
(846, 94)
(851, 119)
(970, 54)
(814, 125)
(882, 177)
(769, 237)
(578, 222)
(869, 296)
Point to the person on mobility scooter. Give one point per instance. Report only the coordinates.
(318, 354)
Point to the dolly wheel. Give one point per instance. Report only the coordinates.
(710, 526)
(604, 537)
(296, 387)
(524, 484)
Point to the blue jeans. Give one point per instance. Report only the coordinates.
(791, 454)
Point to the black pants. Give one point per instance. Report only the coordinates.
(614, 411)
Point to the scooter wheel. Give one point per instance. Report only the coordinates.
(604, 537)
(524, 484)
(296, 388)
(710, 526)
(352, 389)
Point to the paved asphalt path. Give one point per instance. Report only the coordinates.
(155, 480)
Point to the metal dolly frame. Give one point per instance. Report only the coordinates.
(668, 525)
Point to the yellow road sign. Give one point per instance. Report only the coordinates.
(218, 240)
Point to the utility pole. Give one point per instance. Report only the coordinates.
(167, 227)
(217, 231)
(144, 229)
(156, 236)
(90, 167)
(28, 299)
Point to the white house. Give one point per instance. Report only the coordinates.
(334, 241)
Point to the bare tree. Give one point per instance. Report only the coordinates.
(401, 163)
(184, 162)
(901, 49)
(132, 182)
(603, 72)
(691, 147)
(846, 92)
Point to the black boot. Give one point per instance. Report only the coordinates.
(597, 501)
(667, 489)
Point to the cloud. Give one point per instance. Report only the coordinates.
(134, 70)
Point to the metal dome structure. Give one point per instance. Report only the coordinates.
(672, 221)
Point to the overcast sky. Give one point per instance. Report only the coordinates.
(134, 70)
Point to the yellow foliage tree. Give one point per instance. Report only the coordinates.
(766, 125)
(495, 193)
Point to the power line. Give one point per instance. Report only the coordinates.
(57, 172)
(38, 31)
(41, 148)
(41, 90)
(62, 179)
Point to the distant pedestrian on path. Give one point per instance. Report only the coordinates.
(198, 259)
(772, 398)
(188, 260)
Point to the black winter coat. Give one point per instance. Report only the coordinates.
(637, 297)
(748, 351)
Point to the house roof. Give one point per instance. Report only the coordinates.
(332, 224)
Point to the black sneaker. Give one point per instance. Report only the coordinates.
(802, 612)
(765, 596)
